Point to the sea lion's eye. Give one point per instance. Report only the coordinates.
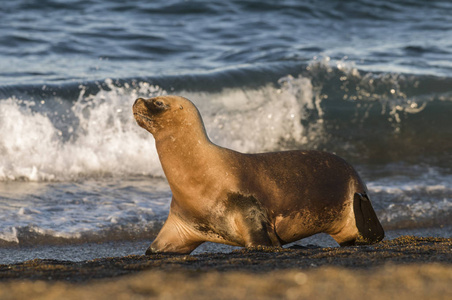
(158, 103)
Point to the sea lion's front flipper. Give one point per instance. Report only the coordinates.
(174, 238)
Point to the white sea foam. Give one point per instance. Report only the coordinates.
(9, 235)
(414, 200)
(92, 209)
(104, 139)
(258, 120)
(417, 213)
(100, 137)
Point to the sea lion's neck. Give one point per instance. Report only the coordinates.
(180, 145)
(186, 158)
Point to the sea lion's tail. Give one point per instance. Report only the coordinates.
(369, 226)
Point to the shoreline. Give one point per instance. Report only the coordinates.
(83, 251)
(414, 266)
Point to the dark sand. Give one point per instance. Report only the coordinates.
(404, 268)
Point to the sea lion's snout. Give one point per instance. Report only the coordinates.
(142, 114)
(139, 107)
(137, 101)
(148, 112)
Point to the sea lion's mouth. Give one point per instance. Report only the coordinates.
(142, 116)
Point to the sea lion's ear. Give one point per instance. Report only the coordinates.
(181, 107)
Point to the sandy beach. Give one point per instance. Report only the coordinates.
(407, 267)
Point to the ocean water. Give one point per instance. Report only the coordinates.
(368, 80)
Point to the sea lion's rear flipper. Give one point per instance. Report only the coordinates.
(368, 225)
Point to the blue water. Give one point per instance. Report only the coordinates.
(368, 80)
(71, 41)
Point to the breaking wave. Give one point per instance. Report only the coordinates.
(68, 132)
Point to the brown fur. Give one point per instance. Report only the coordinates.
(224, 196)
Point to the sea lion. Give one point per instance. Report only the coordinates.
(268, 199)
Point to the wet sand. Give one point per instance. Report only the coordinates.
(406, 268)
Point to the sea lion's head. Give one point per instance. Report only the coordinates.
(165, 115)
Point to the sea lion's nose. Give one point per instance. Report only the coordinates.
(138, 100)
